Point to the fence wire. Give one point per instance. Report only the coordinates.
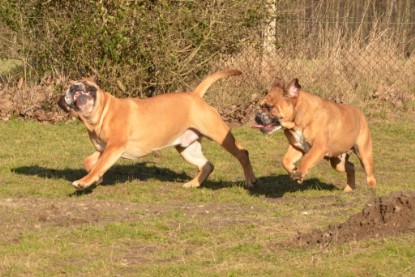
(344, 50)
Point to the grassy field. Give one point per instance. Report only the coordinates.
(142, 222)
(8, 65)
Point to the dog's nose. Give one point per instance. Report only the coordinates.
(258, 117)
(262, 118)
(81, 100)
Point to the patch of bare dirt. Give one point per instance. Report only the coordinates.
(22, 214)
(383, 216)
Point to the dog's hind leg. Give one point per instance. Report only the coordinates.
(342, 164)
(219, 132)
(363, 150)
(193, 154)
(241, 154)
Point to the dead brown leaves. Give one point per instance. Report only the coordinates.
(35, 102)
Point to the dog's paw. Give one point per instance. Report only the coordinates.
(82, 185)
(371, 181)
(79, 185)
(348, 188)
(297, 176)
(191, 184)
(250, 183)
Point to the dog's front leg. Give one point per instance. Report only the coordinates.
(290, 158)
(312, 158)
(110, 155)
(91, 160)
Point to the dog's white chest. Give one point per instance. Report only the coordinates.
(298, 140)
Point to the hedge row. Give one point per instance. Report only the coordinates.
(135, 48)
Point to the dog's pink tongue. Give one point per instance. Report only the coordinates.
(257, 126)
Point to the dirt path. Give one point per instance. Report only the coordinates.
(383, 216)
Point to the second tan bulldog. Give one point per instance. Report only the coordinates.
(133, 127)
(316, 129)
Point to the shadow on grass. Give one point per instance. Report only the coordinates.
(269, 186)
(275, 186)
(116, 174)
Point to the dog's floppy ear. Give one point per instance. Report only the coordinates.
(91, 86)
(293, 89)
(90, 82)
(278, 83)
(62, 104)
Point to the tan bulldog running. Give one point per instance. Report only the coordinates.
(132, 128)
(316, 129)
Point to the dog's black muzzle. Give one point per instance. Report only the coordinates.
(266, 124)
(263, 118)
(76, 95)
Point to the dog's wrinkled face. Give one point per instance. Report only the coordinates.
(79, 97)
(277, 107)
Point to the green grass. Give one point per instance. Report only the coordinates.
(142, 222)
(8, 65)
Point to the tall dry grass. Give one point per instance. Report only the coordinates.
(359, 52)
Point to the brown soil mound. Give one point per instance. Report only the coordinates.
(383, 216)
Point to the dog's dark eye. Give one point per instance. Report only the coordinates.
(266, 107)
(91, 90)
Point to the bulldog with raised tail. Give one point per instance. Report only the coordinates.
(132, 127)
(316, 129)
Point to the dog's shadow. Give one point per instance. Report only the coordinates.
(274, 186)
(269, 186)
(117, 174)
(278, 185)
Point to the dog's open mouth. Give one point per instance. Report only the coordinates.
(77, 94)
(267, 129)
(70, 100)
(265, 123)
(80, 98)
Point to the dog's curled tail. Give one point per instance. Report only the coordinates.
(209, 80)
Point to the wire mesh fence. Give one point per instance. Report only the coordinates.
(345, 50)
